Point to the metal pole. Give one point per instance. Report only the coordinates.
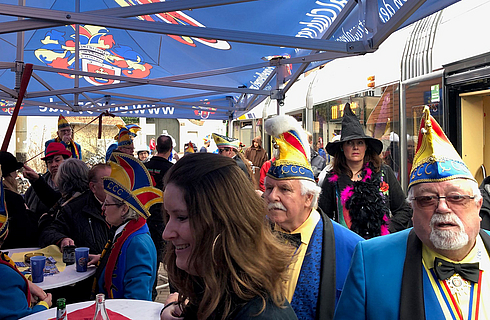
(77, 56)
(26, 76)
(403, 139)
(21, 122)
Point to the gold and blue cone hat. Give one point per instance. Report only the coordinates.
(132, 128)
(224, 141)
(293, 161)
(62, 123)
(124, 138)
(130, 182)
(4, 218)
(435, 158)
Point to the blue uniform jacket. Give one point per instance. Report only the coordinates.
(139, 261)
(13, 300)
(373, 289)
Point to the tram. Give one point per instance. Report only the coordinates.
(442, 61)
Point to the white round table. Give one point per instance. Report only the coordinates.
(133, 309)
(66, 277)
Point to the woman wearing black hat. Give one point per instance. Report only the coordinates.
(23, 222)
(360, 192)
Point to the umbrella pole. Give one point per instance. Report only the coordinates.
(26, 76)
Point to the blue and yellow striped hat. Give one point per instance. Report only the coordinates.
(435, 158)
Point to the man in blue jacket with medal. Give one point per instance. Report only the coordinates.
(440, 268)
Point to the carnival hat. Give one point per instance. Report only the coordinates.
(62, 123)
(130, 182)
(56, 148)
(9, 163)
(189, 148)
(124, 138)
(207, 139)
(435, 158)
(132, 128)
(223, 141)
(351, 130)
(4, 217)
(293, 160)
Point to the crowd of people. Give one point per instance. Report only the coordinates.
(311, 232)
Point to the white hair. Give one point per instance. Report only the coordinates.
(473, 185)
(310, 187)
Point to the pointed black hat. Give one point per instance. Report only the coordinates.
(351, 130)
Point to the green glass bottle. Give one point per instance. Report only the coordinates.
(61, 309)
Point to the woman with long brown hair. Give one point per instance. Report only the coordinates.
(360, 192)
(221, 255)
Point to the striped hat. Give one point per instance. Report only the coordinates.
(62, 123)
(226, 142)
(293, 161)
(130, 182)
(435, 158)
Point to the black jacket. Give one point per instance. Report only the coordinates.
(81, 220)
(23, 231)
(485, 208)
(157, 167)
(41, 196)
(401, 213)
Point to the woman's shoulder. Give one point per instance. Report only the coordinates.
(252, 308)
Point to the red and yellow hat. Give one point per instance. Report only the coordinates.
(62, 123)
(293, 161)
(130, 182)
(435, 158)
(4, 217)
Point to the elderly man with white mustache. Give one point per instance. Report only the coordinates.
(323, 247)
(440, 268)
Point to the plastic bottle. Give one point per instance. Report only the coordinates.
(61, 309)
(100, 311)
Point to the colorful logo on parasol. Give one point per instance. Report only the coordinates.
(99, 53)
(177, 17)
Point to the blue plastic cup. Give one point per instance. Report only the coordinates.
(81, 258)
(37, 268)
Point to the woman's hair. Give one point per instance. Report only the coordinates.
(10, 183)
(72, 176)
(235, 255)
(340, 161)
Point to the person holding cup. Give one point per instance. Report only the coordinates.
(37, 268)
(127, 267)
(19, 297)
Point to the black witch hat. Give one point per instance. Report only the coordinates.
(351, 130)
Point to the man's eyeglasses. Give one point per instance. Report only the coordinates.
(455, 200)
(221, 150)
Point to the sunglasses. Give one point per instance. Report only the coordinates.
(221, 150)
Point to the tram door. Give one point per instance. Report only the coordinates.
(475, 125)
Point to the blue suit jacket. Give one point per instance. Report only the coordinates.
(140, 261)
(13, 300)
(373, 288)
(337, 248)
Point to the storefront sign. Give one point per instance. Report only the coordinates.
(337, 111)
